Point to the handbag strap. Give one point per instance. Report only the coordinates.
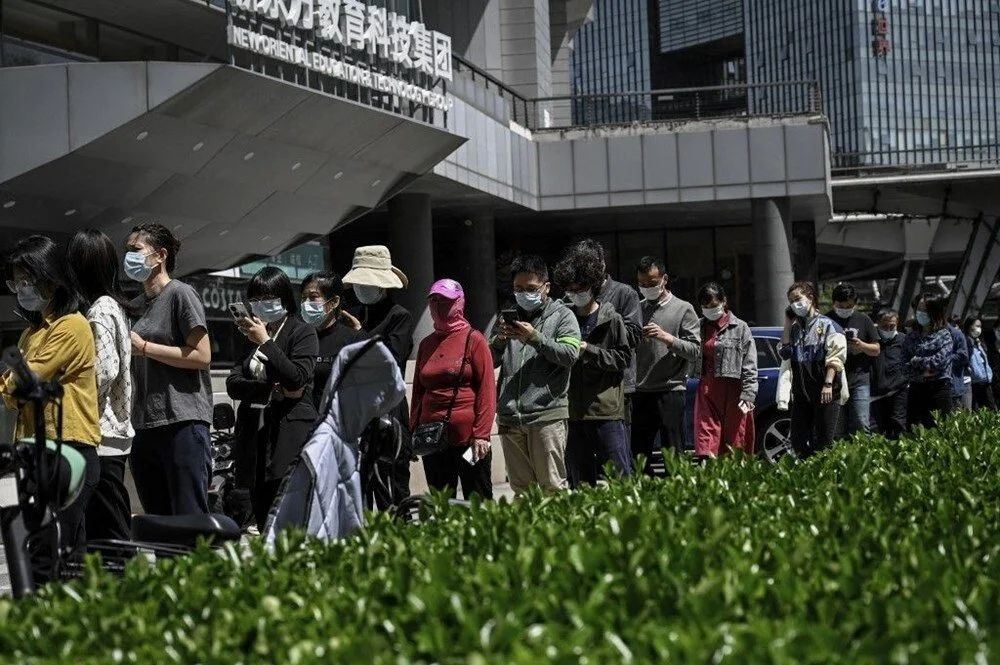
(458, 379)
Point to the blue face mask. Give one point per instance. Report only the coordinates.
(529, 302)
(923, 319)
(268, 311)
(313, 312)
(29, 298)
(135, 266)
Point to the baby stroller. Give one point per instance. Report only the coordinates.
(322, 492)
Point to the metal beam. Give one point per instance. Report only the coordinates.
(979, 268)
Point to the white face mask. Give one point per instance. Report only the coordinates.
(713, 313)
(651, 292)
(801, 307)
(844, 313)
(580, 299)
(888, 334)
(368, 295)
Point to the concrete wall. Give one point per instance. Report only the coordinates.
(525, 49)
(474, 27)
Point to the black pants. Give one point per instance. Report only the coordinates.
(814, 426)
(590, 444)
(109, 513)
(925, 398)
(657, 413)
(890, 413)
(72, 521)
(445, 469)
(982, 396)
(172, 466)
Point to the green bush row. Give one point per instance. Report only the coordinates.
(873, 552)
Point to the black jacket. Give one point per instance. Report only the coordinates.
(625, 300)
(278, 434)
(889, 368)
(596, 390)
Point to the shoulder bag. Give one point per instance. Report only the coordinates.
(430, 438)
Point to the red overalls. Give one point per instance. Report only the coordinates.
(719, 423)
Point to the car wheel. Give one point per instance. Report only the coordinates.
(773, 436)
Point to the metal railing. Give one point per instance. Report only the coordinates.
(931, 157)
(674, 105)
(517, 104)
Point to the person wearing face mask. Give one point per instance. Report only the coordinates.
(373, 279)
(889, 378)
(862, 347)
(171, 355)
(58, 344)
(665, 357)
(979, 367)
(813, 350)
(273, 386)
(596, 384)
(454, 384)
(727, 391)
(535, 347)
(322, 307)
(929, 354)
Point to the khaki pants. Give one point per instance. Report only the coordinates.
(535, 455)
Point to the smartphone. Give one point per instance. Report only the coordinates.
(509, 316)
(470, 455)
(790, 313)
(238, 310)
(851, 333)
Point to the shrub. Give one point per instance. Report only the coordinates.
(874, 551)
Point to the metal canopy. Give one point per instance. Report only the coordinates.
(237, 164)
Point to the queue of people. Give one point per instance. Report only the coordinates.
(587, 382)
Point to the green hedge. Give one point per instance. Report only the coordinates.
(873, 552)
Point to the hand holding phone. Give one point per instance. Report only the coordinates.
(509, 316)
(238, 310)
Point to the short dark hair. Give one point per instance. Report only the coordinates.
(845, 292)
(95, 266)
(647, 263)
(39, 257)
(272, 282)
(531, 264)
(711, 291)
(160, 237)
(330, 284)
(808, 289)
(591, 245)
(581, 267)
(888, 313)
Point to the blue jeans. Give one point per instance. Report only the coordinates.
(857, 411)
(172, 466)
(590, 444)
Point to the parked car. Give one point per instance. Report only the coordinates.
(772, 425)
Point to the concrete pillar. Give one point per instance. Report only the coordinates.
(772, 259)
(478, 275)
(411, 241)
(804, 261)
(918, 240)
(910, 284)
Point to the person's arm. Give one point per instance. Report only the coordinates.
(783, 396)
(398, 337)
(242, 388)
(485, 387)
(938, 358)
(869, 346)
(632, 316)
(960, 360)
(748, 370)
(417, 397)
(615, 356)
(69, 339)
(564, 348)
(107, 364)
(836, 358)
(497, 342)
(195, 354)
(785, 347)
(292, 371)
(687, 344)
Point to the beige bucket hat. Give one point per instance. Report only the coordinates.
(372, 266)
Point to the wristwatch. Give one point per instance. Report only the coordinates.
(828, 384)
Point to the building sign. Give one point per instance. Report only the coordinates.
(880, 29)
(349, 41)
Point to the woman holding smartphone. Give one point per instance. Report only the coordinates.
(171, 354)
(274, 387)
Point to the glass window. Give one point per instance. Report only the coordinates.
(51, 27)
(116, 44)
(690, 261)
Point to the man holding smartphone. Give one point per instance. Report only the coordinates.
(862, 348)
(535, 346)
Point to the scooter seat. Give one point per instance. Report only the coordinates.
(184, 529)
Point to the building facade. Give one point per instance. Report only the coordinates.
(904, 83)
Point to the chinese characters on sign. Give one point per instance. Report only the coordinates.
(880, 29)
(358, 27)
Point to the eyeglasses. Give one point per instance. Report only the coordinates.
(15, 285)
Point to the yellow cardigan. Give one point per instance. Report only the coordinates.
(65, 346)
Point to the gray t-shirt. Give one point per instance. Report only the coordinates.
(163, 394)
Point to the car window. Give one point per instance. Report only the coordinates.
(767, 353)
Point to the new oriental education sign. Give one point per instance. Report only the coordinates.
(365, 45)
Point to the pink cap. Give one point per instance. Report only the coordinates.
(447, 288)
